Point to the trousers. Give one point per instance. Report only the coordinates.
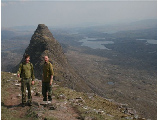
(26, 83)
(46, 87)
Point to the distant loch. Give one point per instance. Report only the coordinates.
(95, 43)
(149, 41)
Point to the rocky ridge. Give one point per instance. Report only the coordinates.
(43, 43)
(67, 104)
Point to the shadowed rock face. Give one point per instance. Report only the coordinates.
(43, 43)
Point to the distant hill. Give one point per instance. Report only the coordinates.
(25, 28)
(112, 28)
(146, 23)
(7, 34)
(13, 34)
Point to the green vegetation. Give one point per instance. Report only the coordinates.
(84, 105)
(94, 107)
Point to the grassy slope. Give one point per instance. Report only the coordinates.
(93, 106)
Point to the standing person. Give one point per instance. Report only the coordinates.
(47, 79)
(26, 74)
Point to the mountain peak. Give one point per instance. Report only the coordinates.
(41, 26)
(42, 33)
(43, 43)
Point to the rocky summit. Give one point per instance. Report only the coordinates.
(43, 43)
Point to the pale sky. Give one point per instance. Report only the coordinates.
(75, 13)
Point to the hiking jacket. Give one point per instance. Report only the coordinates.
(26, 70)
(47, 71)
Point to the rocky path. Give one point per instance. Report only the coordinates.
(67, 104)
(57, 109)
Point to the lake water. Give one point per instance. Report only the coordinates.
(111, 83)
(95, 43)
(98, 43)
(149, 41)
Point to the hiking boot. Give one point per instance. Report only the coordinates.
(23, 105)
(44, 99)
(30, 104)
(49, 98)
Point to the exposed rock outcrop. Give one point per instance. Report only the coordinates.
(43, 43)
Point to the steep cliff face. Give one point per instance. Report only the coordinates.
(43, 43)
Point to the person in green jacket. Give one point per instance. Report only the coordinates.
(26, 73)
(47, 79)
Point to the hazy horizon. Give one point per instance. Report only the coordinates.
(80, 13)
